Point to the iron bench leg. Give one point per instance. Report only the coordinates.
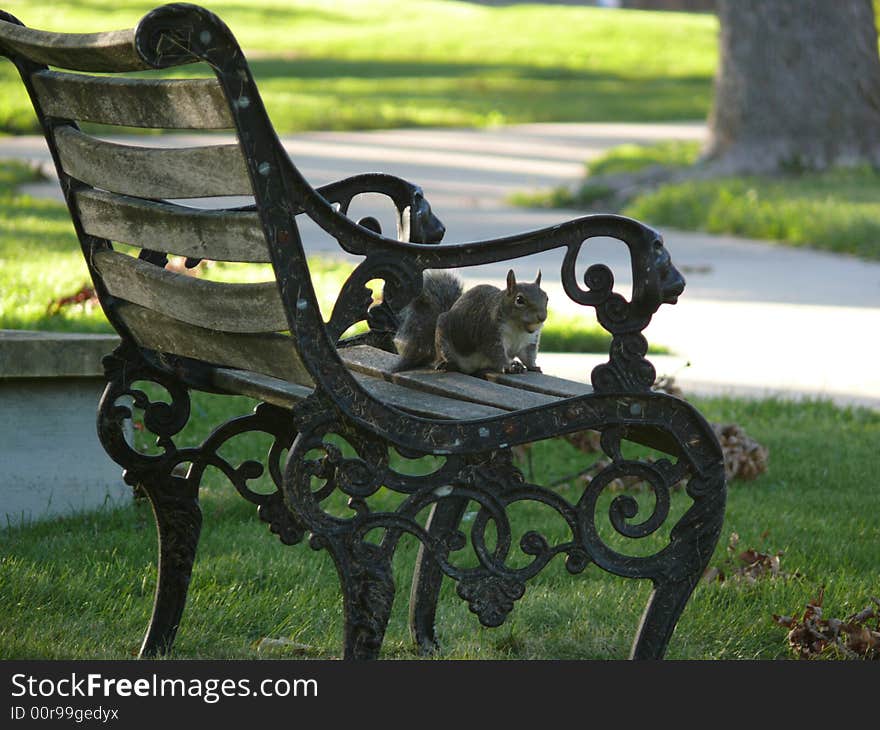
(665, 606)
(178, 523)
(367, 593)
(444, 517)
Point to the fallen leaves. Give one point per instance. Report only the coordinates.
(744, 458)
(747, 566)
(813, 636)
(85, 296)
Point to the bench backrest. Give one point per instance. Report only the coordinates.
(122, 193)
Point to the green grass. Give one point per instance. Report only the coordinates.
(629, 158)
(40, 261)
(837, 210)
(392, 63)
(81, 587)
(621, 160)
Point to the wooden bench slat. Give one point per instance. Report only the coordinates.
(541, 383)
(282, 393)
(262, 387)
(425, 404)
(153, 103)
(204, 234)
(473, 389)
(267, 353)
(214, 305)
(375, 360)
(379, 363)
(103, 52)
(149, 172)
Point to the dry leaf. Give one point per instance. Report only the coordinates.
(744, 458)
(85, 296)
(747, 566)
(811, 636)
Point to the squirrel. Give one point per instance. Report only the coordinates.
(414, 339)
(484, 328)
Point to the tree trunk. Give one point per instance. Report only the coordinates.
(798, 86)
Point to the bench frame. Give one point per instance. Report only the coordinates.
(299, 416)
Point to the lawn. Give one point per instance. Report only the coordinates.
(391, 63)
(81, 587)
(836, 211)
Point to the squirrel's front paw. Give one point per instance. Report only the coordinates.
(534, 368)
(441, 365)
(515, 368)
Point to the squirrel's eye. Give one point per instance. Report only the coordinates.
(520, 300)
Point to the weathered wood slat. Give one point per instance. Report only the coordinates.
(282, 393)
(204, 234)
(210, 304)
(269, 353)
(149, 172)
(103, 52)
(518, 391)
(387, 362)
(379, 363)
(156, 103)
(262, 387)
(424, 404)
(541, 383)
(466, 387)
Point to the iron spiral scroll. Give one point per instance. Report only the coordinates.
(177, 471)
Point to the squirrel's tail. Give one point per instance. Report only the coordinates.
(418, 319)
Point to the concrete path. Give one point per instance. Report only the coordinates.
(756, 318)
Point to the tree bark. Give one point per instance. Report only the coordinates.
(798, 86)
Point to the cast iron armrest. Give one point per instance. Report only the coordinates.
(416, 223)
(400, 265)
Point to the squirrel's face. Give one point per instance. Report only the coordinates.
(526, 304)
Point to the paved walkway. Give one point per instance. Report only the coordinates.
(755, 319)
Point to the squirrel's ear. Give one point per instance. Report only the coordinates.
(511, 282)
(538, 280)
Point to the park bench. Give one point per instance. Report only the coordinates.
(338, 405)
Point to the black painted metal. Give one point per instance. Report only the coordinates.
(477, 468)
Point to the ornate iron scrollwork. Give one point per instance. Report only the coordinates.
(655, 281)
(126, 367)
(493, 484)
